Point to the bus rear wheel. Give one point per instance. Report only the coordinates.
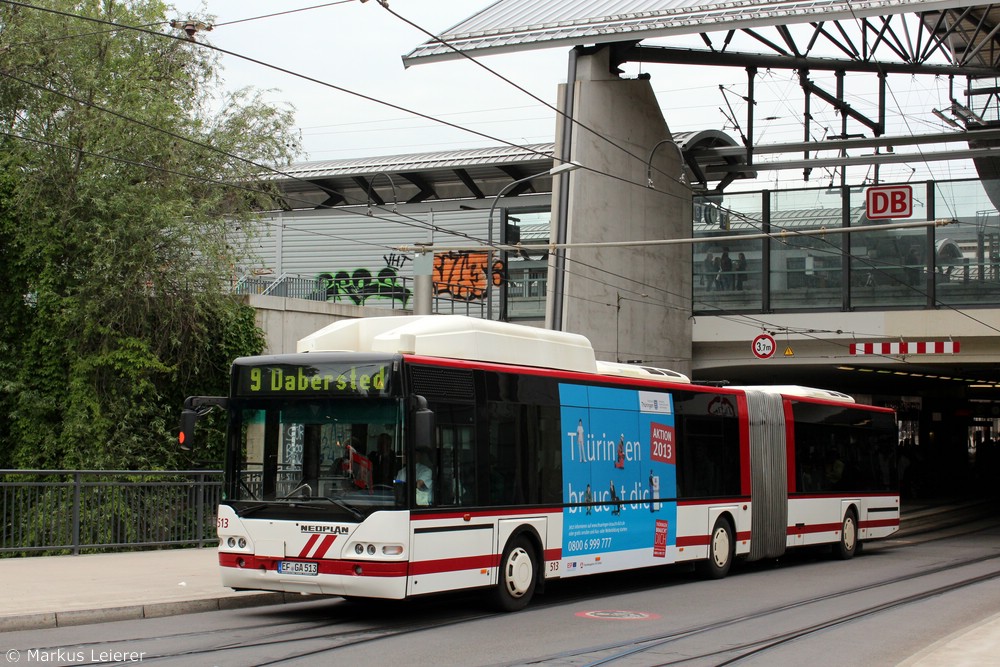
(847, 545)
(721, 550)
(518, 574)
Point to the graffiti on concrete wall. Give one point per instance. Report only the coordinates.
(463, 274)
(460, 274)
(360, 285)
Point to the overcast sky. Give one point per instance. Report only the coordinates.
(359, 47)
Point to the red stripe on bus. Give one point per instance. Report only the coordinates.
(309, 545)
(573, 376)
(880, 523)
(814, 528)
(479, 514)
(324, 546)
(703, 540)
(850, 495)
(326, 566)
(713, 501)
(442, 565)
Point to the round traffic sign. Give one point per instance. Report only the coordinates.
(763, 346)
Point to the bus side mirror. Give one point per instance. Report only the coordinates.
(185, 439)
(423, 423)
(195, 406)
(423, 428)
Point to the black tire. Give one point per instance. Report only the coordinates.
(721, 551)
(518, 575)
(848, 544)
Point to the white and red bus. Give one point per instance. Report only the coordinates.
(400, 456)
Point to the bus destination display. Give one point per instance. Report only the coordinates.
(312, 380)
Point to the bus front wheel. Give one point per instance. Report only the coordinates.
(721, 550)
(518, 573)
(847, 545)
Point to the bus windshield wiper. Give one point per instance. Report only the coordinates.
(245, 511)
(355, 512)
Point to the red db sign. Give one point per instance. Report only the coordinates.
(890, 201)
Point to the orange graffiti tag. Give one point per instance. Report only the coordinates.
(463, 274)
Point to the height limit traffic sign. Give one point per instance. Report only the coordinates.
(763, 346)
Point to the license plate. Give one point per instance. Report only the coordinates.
(296, 567)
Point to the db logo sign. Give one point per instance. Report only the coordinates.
(890, 201)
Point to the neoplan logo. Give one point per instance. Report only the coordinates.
(332, 530)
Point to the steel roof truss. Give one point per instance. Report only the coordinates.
(972, 40)
(516, 175)
(763, 40)
(789, 41)
(849, 52)
(939, 41)
(366, 185)
(467, 180)
(878, 127)
(333, 196)
(817, 31)
(988, 39)
(909, 40)
(425, 190)
(847, 38)
(886, 29)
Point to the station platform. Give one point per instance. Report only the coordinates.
(56, 591)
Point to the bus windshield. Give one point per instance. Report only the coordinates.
(344, 452)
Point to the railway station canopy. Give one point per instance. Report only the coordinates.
(956, 40)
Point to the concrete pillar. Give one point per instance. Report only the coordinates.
(423, 283)
(633, 303)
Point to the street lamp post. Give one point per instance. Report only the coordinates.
(558, 169)
(682, 179)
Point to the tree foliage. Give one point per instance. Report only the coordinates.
(123, 168)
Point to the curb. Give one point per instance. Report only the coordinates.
(61, 619)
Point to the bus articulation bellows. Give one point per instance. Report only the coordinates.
(399, 456)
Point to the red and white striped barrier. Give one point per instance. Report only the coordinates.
(921, 347)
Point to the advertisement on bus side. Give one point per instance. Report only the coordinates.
(618, 463)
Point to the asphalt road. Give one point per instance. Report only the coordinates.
(807, 609)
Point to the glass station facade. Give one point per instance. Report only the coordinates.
(801, 267)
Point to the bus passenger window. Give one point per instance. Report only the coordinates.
(455, 462)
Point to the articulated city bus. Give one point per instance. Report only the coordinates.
(400, 456)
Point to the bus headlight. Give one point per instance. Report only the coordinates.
(392, 550)
(359, 549)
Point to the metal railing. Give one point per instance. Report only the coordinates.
(392, 293)
(71, 511)
(285, 285)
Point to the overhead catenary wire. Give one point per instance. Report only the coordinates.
(346, 91)
(320, 82)
(566, 116)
